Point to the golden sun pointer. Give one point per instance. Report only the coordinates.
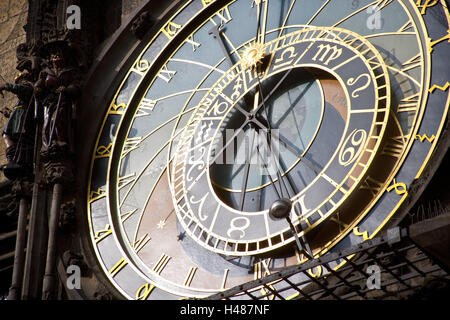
(253, 54)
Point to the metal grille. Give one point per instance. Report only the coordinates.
(401, 264)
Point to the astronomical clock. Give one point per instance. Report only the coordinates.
(246, 136)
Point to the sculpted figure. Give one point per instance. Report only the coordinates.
(57, 90)
(18, 134)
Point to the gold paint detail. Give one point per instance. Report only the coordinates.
(171, 29)
(162, 263)
(433, 43)
(97, 194)
(424, 137)
(144, 291)
(372, 185)
(102, 234)
(443, 88)
(118, 267)
(358, 233)
(115, 109)
(190, 276)
(315, 273)
(253, 55)
(103, 151)
(425, 4)
(381, 4)
(261, 269)
(139, 244)
(400, 188)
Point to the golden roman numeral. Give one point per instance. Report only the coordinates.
(126, 180)
(412, 63)
(372, 185)
(393, 147)
(409, 104)
(126, 215)
(166, 74)
(139, 244)
(145, 107)
(261, 268)
(406, 26)
(224, 16)
(195, 44)
(381, 4)
(190, 276)
(162, 263)
(118, 267)
(130, 145)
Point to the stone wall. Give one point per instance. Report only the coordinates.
(13, 16)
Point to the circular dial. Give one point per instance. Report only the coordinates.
(336, 156)
(234, 105)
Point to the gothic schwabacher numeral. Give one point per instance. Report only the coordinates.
(442, 88)
(433, 43)
(102, 234)
(97, 194)
(425, 137)
(171, 29)
(103, 151)
(144, 291)
(425, 4)
(409, 104)
(117, 109)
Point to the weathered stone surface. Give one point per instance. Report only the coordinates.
(13, 16)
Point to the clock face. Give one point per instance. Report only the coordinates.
(333, 107)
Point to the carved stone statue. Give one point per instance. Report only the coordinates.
(18, 134)
(58, 90)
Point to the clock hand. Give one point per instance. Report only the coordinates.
(281, 209)
(269, 129)
(246, 172)
(288, 146)
(216, 32)
(261, 32)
